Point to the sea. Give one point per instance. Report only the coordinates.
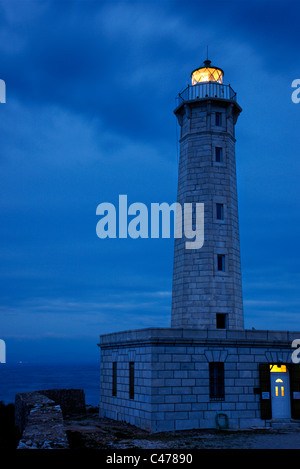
(25, 377)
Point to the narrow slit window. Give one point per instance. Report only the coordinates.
(131, 380)
(114, 379)
(220, 211)
(216, 381)
(219, 154)
(221, 262)
(218, 119)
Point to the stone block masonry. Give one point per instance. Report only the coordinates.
(39, 416)
(200, 289)
(172, 382)
(205, 364)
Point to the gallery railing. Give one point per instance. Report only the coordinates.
(209, 89)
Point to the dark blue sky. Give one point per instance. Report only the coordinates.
(91, 89)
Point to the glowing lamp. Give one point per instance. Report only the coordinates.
(207, 73)
(278, 368)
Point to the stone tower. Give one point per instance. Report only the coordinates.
(206, 367)
(207, 286)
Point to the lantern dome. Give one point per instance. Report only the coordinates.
(207, 73)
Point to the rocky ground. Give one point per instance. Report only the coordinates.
(91, 432)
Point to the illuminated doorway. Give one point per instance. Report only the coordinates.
(280, 392)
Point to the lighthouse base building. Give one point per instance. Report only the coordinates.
(178, 379)
(206, 370)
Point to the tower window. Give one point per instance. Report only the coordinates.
(131, 380)
(219, 154)
(221, 262)
(114, 379)
(218, 119)
(221, 321)
(216, 381)
(220, 211)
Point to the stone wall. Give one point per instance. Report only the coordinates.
(39, 416)
(135, 411)
(70, 400)
(172, 376)
(200, 290)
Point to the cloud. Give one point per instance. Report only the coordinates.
(63, 317)
(89, 116)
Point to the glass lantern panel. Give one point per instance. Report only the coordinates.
(207, 74)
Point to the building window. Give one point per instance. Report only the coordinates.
(221, 262)
(216, 381)
(218, 119)
(114, 379)
(220, 211)
(131, 380)
(221, 321)
(219, 154)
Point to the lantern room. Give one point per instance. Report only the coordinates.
(207, 73)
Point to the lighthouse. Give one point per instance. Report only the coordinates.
(206, 370)
(207, 285)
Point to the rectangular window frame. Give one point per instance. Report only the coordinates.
(131, 380)
(218, 119)
(217, 253)
(220, 201)
(216, 381)
(220, 211)
(114, 379)
(221, 262)
(219, 156)
(221, 321)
